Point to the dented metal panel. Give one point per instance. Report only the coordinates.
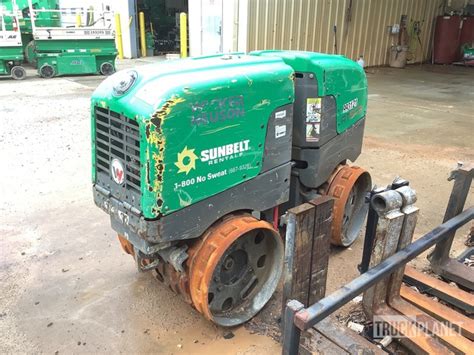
(202, 124)
(362, 26)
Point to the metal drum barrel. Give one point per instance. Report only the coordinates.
(446, 39)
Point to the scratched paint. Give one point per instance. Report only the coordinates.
(183, 162)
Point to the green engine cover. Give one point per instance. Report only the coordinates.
(202, 123)
(337, 76)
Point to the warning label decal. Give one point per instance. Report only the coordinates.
(313, 119)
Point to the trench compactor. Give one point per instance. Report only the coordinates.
(60, 48)
(11, 49)
(197, 160)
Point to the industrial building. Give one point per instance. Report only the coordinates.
(352, 28)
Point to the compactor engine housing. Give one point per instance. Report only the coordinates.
(178, 145)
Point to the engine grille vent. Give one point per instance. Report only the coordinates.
(118, 137)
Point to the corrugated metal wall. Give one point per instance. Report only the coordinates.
(308, 25)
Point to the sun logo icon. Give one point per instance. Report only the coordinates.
(186, 161)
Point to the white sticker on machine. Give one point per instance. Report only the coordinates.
(280, 114)
(313, 118)
(312, 132)
(280, 131)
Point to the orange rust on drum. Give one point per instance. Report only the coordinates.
(126, 245)
(178, 282)
(340, 187)
(205, 255)
(323, 189)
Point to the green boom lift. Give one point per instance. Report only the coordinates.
(11, 50)
(197, 160)
(73, 48)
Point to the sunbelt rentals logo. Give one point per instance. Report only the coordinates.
(186, 160)
(187, 157)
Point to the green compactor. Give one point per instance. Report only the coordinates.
(197, 160)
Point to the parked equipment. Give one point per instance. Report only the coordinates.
(197, 160)
(11, 50)
(466, 36)
(47, 19)
(467, 55)
(75, 49)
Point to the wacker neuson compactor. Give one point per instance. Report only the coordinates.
(197, 160)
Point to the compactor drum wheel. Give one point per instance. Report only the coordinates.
(349, 187)
(234, 269)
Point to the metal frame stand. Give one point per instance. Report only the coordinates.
(385, 296)
(451, 268)
(384, 300)
(372, 220)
